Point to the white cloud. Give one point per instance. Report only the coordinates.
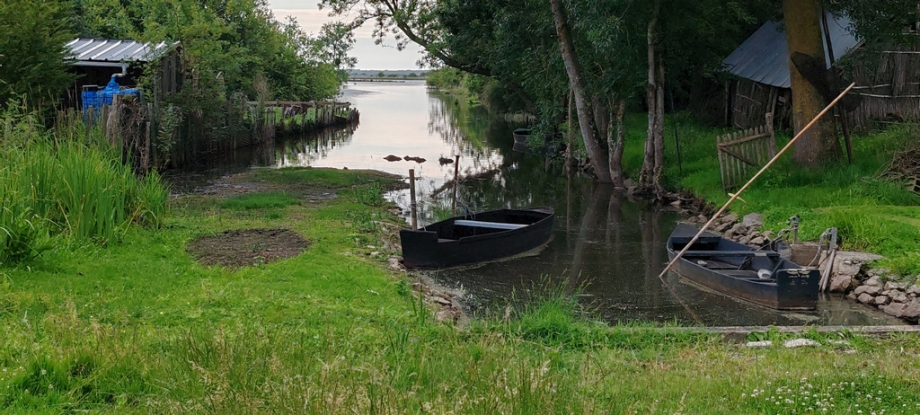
(370, 56)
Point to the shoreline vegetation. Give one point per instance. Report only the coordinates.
(334, 330)
(135, 324)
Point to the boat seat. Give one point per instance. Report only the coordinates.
(441, 240)
(490, 225)
(731, 253)
(746, 274)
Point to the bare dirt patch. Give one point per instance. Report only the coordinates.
(247, 247)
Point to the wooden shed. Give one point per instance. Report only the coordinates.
(96, 60)
(761, 68)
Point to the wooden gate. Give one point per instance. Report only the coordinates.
(742, 153)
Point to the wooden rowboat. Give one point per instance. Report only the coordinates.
(758, 276)
(481, 237)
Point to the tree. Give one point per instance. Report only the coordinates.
(335, 40)
(575, 73)
(33, 58)
(803, 33)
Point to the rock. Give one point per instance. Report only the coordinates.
(753, 220)
(840, 282)
(730, 234)
(895, 286)
(915, 290)
(882, 300)
(842, 275)
(763, 343)
(746, 239)
(394, 263)
(768, 235)
(441, 300)
(873, 290)
(878, 272)
(800, 343)
(865, 298)
(886, 293)
(852, 296)
(739, 229)
(899, 297)
(701, 218)
(730, 218)
(894, 309)
(758, 241)
(632, 183)
(839, 342)
(723, 227)
(912, 310)
(444, 316)
(375, 253)
(860, 290)
(874, 281)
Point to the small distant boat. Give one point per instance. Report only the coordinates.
(521, 134)
(481, 237)
(758, 276)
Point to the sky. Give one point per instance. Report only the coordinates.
(370, 56)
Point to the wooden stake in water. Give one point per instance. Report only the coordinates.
(456, 179)
(412, 204)
(743, 188)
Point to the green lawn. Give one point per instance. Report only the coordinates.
(871, 213)
(140, 327)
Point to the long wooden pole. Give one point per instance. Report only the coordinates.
(412, 204)
(453, 207)
(743, 188)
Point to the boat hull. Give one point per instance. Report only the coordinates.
(790, 287)
(444, 245)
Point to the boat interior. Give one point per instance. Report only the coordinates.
(484, 223)
(730, 258)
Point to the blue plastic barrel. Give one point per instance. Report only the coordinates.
(110, 90)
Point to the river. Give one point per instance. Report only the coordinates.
(606, 247)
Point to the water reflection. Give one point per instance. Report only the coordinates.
(612, 246)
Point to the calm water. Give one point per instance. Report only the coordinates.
(604, 242)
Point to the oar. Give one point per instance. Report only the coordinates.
(743, 188)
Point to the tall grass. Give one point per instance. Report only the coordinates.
(55, 185)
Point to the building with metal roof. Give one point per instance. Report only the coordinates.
(762, 65)
(96, 61)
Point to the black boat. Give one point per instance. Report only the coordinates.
(521, 134)
(758, 276)
(481, 237)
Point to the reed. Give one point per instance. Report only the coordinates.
(57, 182)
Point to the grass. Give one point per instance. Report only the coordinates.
(55, 188)
(139, 327)
(872, 214)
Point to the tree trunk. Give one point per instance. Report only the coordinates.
(803, 32)
(659, 126)
(647, 176)
(616, 139)
(573, 69)
(570, 136)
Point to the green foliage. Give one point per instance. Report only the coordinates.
(178, 337)
(33, 59)
(51, 186)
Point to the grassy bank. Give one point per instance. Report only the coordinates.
(142, 327)
(871, 213)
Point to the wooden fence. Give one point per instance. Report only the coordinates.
(889, 87)
(149, 140)
(742, 153)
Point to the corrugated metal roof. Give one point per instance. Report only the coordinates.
(111, 50)
(764, 57)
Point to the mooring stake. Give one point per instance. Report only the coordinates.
(412, 204)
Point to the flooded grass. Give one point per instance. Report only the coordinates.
(141, 327)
